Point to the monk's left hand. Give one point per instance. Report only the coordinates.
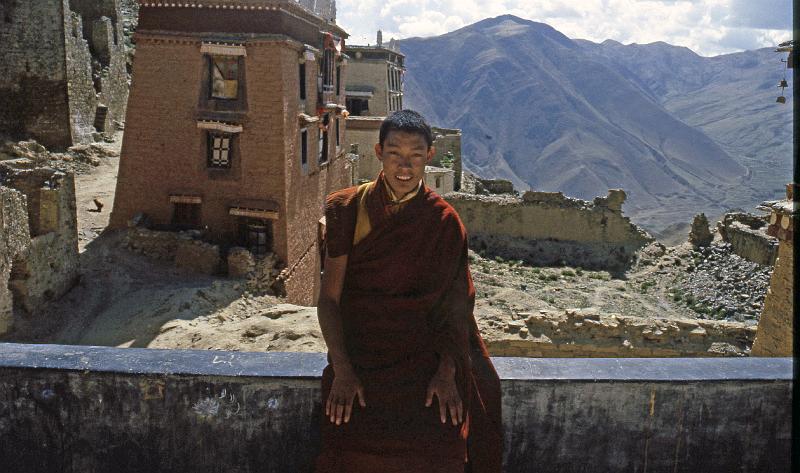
(443, 386)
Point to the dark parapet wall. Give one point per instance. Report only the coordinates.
(33, 78)
(72, 408)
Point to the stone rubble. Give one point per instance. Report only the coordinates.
(79, 159)
(719, 284)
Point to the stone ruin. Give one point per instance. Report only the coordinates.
(700, 235)
(64, 74)
(590, 332)
(550, 229)
(188, 249)
(38, 240)
(748, 237)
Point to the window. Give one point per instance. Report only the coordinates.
(323, 139)
(327, 70)
(224, 77)
(186, 215)
(357, 106)
(338, 80)
(303, 81)
(258, 238)
(304, 148)
(338, 137)
(256, 235)
(220, 149)
(438, 182)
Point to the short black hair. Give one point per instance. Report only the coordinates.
(408, 121)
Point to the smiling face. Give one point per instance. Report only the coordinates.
(404, 156)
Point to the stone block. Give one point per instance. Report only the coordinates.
(240, 262)
(197, 257)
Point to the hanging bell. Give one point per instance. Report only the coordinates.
(784, 84)
(781, 99)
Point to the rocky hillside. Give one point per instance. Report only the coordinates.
(731, 98)
(551, 113)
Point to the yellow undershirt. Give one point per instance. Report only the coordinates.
(363, 226)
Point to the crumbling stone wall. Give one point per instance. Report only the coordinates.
(14, 243)
(101, 45)
(50, 82)
(185, 249)
(447, 142)
(591, 333)
(547, 228)
(50, 266)
(748, 237)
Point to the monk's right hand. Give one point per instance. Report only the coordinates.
(346, 386)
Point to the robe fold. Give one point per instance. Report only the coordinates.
(407, 299)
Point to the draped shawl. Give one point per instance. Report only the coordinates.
(407, 299)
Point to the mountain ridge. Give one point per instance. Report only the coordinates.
(552, 113)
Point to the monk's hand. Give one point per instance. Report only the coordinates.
(443, 386)
(346, 386)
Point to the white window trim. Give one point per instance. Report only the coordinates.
(222, 49)
(219, 126)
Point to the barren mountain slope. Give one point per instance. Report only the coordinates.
(542, 110)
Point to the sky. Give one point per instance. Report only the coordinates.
(708, 27)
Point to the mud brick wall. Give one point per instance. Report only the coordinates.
(775, 325)
(547, 228)
(589, 333)
(748, 238)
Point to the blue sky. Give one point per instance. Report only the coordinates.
(708, 27)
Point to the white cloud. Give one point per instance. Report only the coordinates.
(708, 27)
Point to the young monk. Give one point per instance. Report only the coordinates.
(409, 386)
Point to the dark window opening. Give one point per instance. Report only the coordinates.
(438, 182)
(327, 70)
(220, 150)
(304, 147)
(186, 215)
(224, 77)
(358, 106)
(256, 235)
(338, 134)
(338, 80)
(323, 139)
(302, 81)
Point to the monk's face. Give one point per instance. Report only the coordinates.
(404, 156)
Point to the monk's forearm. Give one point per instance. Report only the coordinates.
(330, 322)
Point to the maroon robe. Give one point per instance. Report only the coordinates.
(408, 298)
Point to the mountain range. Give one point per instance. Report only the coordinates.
(681, 133)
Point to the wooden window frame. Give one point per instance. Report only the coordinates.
(219, 162)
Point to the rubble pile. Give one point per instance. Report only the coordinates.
(80, 159)
(719, 284)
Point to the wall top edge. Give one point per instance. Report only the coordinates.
(146, 361)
